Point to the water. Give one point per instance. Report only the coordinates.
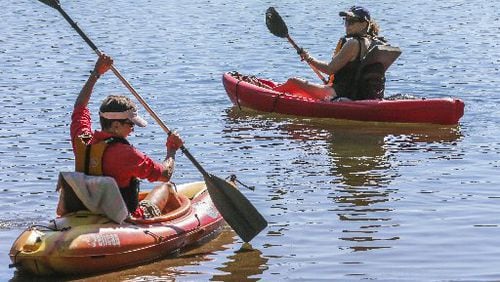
(345, 200)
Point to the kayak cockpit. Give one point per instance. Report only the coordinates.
(166, 199)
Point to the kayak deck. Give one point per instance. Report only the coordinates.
(83, 242)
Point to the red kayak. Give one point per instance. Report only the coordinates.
(258, 94)
(83, 242)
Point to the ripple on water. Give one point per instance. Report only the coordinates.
(344, 200)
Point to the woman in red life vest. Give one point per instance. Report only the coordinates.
(107, 152)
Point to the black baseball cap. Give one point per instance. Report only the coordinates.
(357, 12)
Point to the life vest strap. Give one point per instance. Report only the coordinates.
(88, 157)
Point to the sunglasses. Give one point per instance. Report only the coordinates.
(127, 122)
(352, 20)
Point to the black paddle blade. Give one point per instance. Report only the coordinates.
(52, 3)
(236, 209)
(275, 23)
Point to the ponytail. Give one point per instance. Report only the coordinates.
(373, 28)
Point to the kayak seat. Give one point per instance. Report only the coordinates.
(383, 54)
(98, 194)
(68, 200)
(370, 76)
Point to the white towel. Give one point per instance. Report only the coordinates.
(100, 194)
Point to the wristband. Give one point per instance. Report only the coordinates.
(95, 73)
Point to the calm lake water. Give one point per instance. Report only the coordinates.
(344, 200)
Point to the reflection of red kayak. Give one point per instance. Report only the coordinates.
(83, 242)
(259, 96)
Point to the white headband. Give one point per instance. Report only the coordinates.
(128, 114)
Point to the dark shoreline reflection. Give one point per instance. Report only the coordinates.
(363, 161)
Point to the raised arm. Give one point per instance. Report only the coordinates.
(102, 65)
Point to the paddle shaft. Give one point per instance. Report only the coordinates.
(316, 71)
(75, 26)
(234, 207)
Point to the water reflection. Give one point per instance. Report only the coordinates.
(362, 161)
(244, 265)
(357, 157)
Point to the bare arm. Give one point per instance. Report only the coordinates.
(347, 54)
(102, 65)
(168, 165)
(84, 96)
(174, 142)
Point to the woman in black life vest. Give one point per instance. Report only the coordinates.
(360, 31)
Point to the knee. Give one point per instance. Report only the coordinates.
(159, 195)
(296, 81)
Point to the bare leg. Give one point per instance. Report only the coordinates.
(160, 195)
(317, 91)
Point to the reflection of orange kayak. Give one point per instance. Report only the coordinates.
(83, 242)
(258, 95)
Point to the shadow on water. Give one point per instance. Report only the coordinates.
(360, 162)
(242, 265)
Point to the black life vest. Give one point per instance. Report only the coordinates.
(364, 78)
(344, 78)
(370, 78)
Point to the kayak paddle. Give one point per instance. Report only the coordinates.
(234, 207)
(277, 26)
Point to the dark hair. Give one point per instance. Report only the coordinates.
(114, 103)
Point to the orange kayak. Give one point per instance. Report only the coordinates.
(82, 242)
(258, 94)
